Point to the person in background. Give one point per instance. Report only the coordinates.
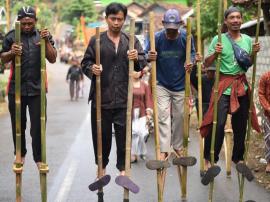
(264, 98)
(74, 77)
(142, 112)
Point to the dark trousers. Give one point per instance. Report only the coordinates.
(33, 104)
(74, 84)
(109, 117)
(239, 125)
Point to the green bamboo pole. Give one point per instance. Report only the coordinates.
(18, 166)
(251, 102)
(160, 173)
(199, 73)
(186, 112)
(211, 190)
(228, 133)
(129, 107)
(43, 169)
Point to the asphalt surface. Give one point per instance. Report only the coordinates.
(71, 160)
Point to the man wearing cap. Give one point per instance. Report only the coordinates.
(233, 92)
(29, 50)
(170, 55)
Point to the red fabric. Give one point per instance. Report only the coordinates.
(264, 93)
(9, 78)
(237, 84)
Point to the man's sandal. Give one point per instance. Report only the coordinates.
(185, 161)
(125, 182)
(157, 164)
(210, 174)
(245, 171)
(100, 183)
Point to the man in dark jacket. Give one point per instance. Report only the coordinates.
(113, 70)
(29, 50)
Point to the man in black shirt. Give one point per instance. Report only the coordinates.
(113, 70)
(29, 50)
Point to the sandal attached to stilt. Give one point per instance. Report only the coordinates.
(125, 182)
(157, 164)
(210, 174)
(100, 183)
(245, 171)
(185, 161)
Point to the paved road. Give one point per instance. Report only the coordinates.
(71, 162)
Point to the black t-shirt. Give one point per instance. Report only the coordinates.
(30, 62)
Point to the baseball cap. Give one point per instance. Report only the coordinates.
(26, 11)
(171, 19)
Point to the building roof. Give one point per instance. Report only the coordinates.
(160, 8)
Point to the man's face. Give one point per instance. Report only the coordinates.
(115, 21)
(234, 21)
(27, 24)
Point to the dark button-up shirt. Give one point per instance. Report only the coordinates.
(30, 62)
(114, 77)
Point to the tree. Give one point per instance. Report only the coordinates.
(74, 9)
(209, 13)
(265, 9)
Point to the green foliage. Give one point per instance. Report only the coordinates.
(209, 16)
(72, 10)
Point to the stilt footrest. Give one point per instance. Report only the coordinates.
(18, 168)
(44, 168)
(157, 164)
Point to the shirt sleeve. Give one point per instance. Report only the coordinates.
(89, 59)
(262, 93)
(212, 46)
(148, 97)
(7, 43)
(193, 51)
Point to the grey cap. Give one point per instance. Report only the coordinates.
(171, 19)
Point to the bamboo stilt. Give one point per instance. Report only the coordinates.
(18, 167)
(199, 73)
(228, 145)
(129, 107)
(98, 114)
(160, 173)
(43, 169)
(211, 190)
(186, 112)
(251, 102)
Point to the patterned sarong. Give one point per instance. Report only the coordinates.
(266, 130)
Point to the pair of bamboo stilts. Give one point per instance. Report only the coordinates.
(18, 166)
(182, 170)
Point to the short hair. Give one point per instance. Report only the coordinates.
(230, 10)
(114, 8)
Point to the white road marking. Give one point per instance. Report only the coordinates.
(64, 179)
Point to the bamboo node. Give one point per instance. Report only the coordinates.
(17, 168)
(44, 168)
